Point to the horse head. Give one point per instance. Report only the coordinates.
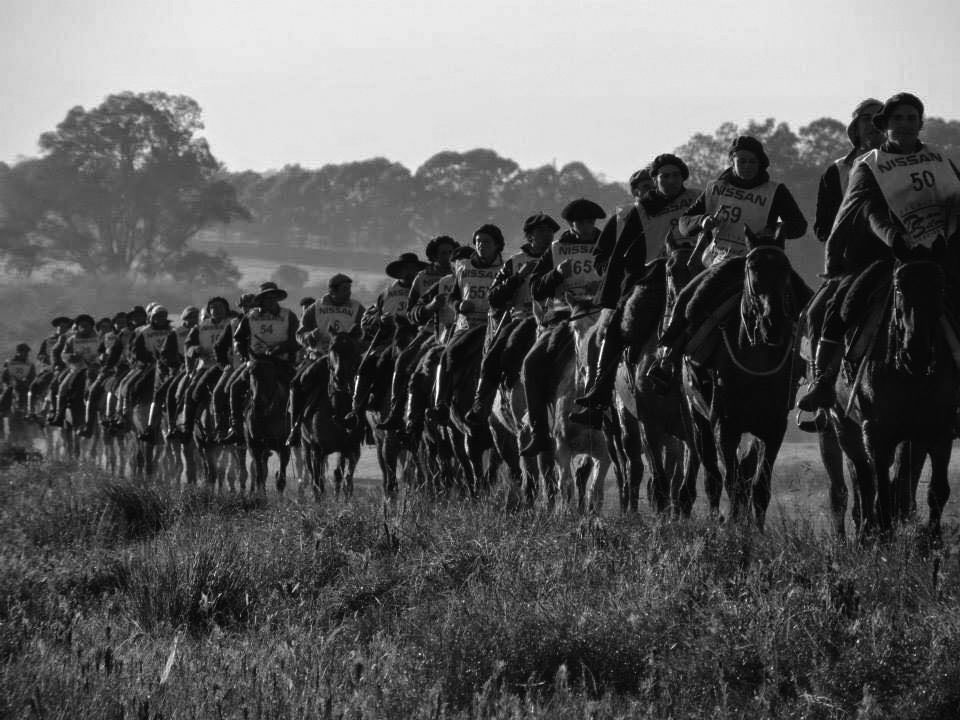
(268, 398)
(343, 359)
(767, 308)
(678, 270)
(918, 292)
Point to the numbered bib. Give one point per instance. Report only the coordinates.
(395, 299)
(208, 333)
(522, 303)
(475, 286)
(921, 189)
(267, 330)
(18, 370)
(154, 339)
(666, 224)
(85, 349)
(735, 207)
(583, 281)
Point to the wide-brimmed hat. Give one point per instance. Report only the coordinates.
(83, 317)
(870, 106)
(582, 209)
(541, 219)
(61, 320)
(270, 290)
(406, 260)
(901, 98)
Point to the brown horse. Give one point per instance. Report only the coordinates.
(752, 377)
(907, 392)
(325, 430)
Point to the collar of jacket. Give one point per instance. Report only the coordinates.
(569, 238)
(653, 201)
(888, 148)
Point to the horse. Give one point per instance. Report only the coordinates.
(266, 423)
(325, 430)
(752, 376)
(649, 423)
(13, 414)
(906, 392)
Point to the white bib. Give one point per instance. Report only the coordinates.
(85, 349)
(583, 281)
(267, 330)
(736, 207)
(665, 224)
(17, 370)
(394, 299)
(208, 332)
(474, 285)
(523, 299)
(333, 319)
(921, 189)
(154, 339)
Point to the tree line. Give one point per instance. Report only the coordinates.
(127, 186)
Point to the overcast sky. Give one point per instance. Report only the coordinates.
(607, 82)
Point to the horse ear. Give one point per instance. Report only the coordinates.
(752, 239)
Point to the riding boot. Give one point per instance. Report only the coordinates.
(662, 373)
(184, 433)
(235, 435)
(440, 413)
(153, 419)
(821, 393)
(483, 399)
(598, 395)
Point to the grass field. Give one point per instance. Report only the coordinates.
(123, 600)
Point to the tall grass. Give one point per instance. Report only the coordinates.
(196, 606)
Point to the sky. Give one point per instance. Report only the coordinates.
(606, 82)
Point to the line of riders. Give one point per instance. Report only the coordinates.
(904, 191)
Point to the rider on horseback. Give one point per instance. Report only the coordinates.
(565, 269)
(79, 350)
(62, 325)
(510, 293)
(336, 312)
(742, 196)
(654, 214)
(172, 391)
(18, 373)
(470, 295)
(117, 364)
(266, 331)
(225, 352)
(439, 252)
(201, 348)
(900, 199)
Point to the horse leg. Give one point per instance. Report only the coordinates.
(283, 453)
(860, 469)
(939, 491)
(687, 493)
(832, 457)
(658, 491)
(908, 465)
(880, 450)
(706, 449)
(767, 457)
(729, 441)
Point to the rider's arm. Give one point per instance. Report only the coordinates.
(58, 350)
(290, 345)
(5, 375)
(785, 209)
(306, 333)
(420, 313)
(504, 287)
(829, 197)
(545, 280)
(241, 338)
(603, 249)
(140, 352)
(690, 222)
(31, 374)
(224, 344)
(169, 354)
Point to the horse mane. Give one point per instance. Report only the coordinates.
(857, 302)
(722, 281)
(645, 306)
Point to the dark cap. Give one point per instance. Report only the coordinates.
(751, 145)
(307, 301)
(23, 347)
(541, 219)
(338, 280)
(870, 107)
(61, 320)
(83, 317)
(901, 98)
(661, 161)
(640, 177)
(582, 209)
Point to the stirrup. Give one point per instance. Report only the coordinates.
(817, 424)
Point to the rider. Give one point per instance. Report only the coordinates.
(564, 270)
(150, 353)
(655, 214)
(510, 293)
(393, 300)
(902, 195)
(336, 312)
(118, 361)
(18, 373)
(267, 330)
(200, 347)
(80, 352)
(469, 294)
(225, 351)
(62, 325)
(173, 391)
(742, 196)
(439, 252)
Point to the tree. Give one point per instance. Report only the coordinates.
(123, 187)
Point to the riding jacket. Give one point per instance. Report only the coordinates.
(758, 203)
(903, 196)
(511, 285)
(547, 282)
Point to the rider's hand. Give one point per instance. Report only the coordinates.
(708, 223)
(466, 306)
(565, 268)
